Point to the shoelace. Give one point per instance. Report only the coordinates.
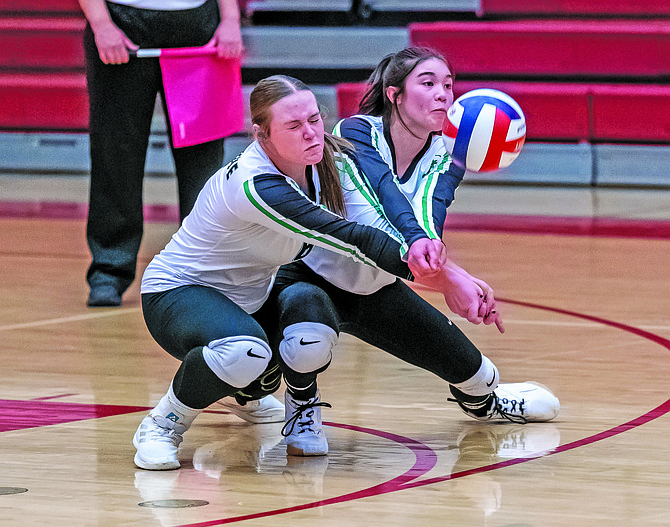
(298, 414)
(497, 408)
(507, 414)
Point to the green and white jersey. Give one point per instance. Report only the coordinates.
(412, 206)
(428, 184)
(247, 221)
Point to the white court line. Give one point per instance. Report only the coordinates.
(65, 320)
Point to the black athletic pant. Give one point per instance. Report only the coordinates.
(184, 319)
(394, 319)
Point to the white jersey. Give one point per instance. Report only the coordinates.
(247, 221)
(415, 203)
(362, 207)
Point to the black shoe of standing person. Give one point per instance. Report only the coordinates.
(104, 296)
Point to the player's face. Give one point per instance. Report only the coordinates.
(427, 97)
(296, 130)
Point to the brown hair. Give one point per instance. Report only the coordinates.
(272, 89)
(393, 70)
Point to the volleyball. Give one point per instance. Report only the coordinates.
(485, 130)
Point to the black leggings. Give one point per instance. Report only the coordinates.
(394, 319)
(184, 319)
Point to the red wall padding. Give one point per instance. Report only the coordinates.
(45, 103)
(571, 112)
(46, 44)
(630, 8)
(39, 6)
(587, 49)
(638, 113)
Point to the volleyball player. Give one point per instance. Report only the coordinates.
(398, 177)
(204, 296)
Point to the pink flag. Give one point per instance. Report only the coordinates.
(203, 94)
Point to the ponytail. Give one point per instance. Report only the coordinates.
(374, 98)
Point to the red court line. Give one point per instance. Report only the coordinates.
(634, 423)
(510, 223)
(405, 481)
(36, 413)
(19, 415)
(425, 459)
(657, 412)
(573, 226)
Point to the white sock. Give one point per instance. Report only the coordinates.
(481, 383)
(174, 410)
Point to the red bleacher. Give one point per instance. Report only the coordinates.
(570, 112)
(42, 43)
(42, 80)
(600, 8)
(554, 112)
(540, 49)
(42, 66)
(630, 113)
(32, 7)
(54, 102)
(577, 79)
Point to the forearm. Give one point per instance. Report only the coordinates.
(228, 36)
(96, 13)
(455, 268)
(445, 281)
(229, 10)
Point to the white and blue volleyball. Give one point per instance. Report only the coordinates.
(485, 130)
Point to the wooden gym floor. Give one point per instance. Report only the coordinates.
(583, 279)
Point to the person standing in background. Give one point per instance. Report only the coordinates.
(122, 95)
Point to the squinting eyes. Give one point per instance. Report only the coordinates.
(315, 120)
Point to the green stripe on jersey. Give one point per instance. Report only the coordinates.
(437, 167)
(341, 247)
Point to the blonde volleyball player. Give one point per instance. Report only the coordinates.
(205, 295)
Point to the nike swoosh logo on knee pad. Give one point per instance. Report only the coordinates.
(303, 343)
(252, 354)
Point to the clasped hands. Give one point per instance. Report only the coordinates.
(466, 296)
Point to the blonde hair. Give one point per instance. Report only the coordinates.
(272, 89)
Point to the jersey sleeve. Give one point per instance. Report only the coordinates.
(381, 179)
(440, 195)
(271, 201)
